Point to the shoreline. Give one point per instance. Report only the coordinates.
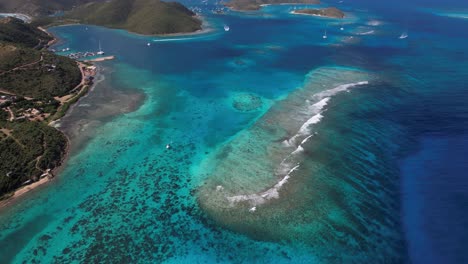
(54, 38)
(295, 12)
(100, 59)
(16, 195)
(22, 191)
(263, 5)
(205, 28)
(70, 129)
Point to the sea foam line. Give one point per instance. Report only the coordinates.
(260, 198)
(285, 166)
(318, 107)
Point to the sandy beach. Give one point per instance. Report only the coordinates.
(206, 28)
(101, 59)
(23, 190)
(54, 39)
(134, 101)
(20, 192)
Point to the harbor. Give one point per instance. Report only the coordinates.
(89, 56)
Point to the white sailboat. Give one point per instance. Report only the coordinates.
(226, 28)
(325, 35)
(403, 35)
(100, 52)
(169, 146)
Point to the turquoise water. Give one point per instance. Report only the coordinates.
(285, 147)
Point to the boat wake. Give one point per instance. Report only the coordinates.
(403, 35)
(374, 23)
(370, 32)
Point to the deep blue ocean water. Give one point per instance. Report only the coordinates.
(381, 179)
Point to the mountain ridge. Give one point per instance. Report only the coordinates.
(147, 17)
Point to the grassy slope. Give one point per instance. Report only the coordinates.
(37, 81)
(247, 5)
(32, 146)
(328, 12)
(12, 56)
(38, 7)
(15, 31)
(19, 151)
(147, 17)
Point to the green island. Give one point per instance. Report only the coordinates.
(146, 17)
(36, 88)
(252, 5)
(331, 12)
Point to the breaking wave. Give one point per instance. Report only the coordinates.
(290, 164)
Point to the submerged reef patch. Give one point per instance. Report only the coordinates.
(268, 152)
(289, 177)
(246, 102)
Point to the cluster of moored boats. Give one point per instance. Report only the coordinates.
(80, 55)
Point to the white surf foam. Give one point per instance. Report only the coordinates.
(313, 120)
(370, 32)
(288, 164)
(305, 140)
(340, 88)
(317, 109)
(260, 198)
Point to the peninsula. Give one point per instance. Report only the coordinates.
(331, 12)
(252, 5)
(36, 88)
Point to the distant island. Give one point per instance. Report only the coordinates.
(36, 88)
(252, 5)
(331, 12)
(146, 17)
(37, 8)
